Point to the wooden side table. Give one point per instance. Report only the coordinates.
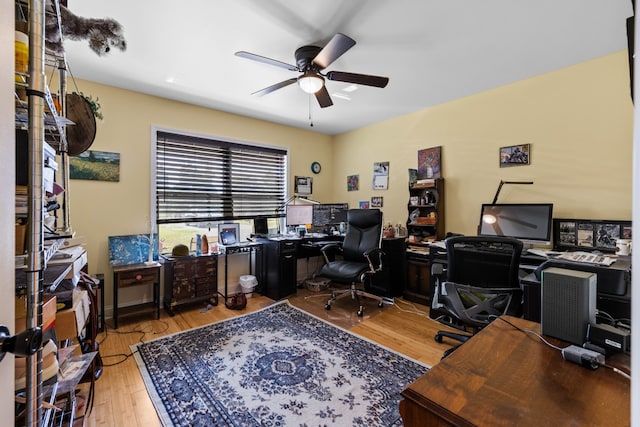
(125, 276)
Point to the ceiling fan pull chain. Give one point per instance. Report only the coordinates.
(310, 120)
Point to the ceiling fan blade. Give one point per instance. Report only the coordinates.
(361, 79)
(265, 60)
(338, 45)
(323, 97)
(275, 87)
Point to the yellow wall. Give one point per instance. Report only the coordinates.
(578, 120)
(102, 209)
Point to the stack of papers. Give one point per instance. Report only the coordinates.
(587, 257)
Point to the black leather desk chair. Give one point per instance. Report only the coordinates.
(361, 257)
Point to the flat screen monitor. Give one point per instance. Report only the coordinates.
(329, 213)
(299, 215)
(528, 222)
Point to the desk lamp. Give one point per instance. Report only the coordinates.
(502, 182)
(490, 219)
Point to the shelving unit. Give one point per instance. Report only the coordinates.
(45, 135)
(425, 223)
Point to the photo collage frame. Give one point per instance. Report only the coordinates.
(589, 235)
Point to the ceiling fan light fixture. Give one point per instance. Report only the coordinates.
(310, 82)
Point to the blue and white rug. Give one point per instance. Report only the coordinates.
(279, 366)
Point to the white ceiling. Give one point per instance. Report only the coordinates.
(433, 51)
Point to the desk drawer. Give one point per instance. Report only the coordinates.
(183, 289)
(206, 266)
(184, 269)
(288, 247)
(137, 277)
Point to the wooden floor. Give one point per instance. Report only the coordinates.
(121, 396)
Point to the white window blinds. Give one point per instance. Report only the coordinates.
(200, 179)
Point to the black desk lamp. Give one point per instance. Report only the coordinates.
(502, 182)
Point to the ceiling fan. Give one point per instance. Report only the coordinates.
(310, 61)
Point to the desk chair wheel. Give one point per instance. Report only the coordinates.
(438, 338)
(360, 312)
(327, 306)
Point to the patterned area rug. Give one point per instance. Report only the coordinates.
(278, 366)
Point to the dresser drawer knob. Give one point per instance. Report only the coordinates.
(138, 277)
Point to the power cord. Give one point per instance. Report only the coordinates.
(581, 356)
(140, 330)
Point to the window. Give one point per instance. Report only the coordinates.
(201, 181)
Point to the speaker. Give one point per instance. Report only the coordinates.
(568, 303)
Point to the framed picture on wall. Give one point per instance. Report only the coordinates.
(429, 163)
(376, 202)
(515, 155)
(353, 182)
(95, 165)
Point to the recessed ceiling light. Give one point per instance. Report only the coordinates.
(341, 96)
(170, 79)
(350, 88)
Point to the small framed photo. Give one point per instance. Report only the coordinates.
(364, 204)
(353, 182)
(376, 202)
(515, 155)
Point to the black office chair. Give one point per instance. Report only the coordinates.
(481, 283)
(361, 257)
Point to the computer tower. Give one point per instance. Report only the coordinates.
(568, 301)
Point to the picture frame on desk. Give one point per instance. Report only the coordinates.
(589, 235)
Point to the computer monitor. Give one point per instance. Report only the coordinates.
(326, 214)
(260, 226)
(528, 222)
(299, 215)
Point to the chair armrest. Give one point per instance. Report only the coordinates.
(437, 269)
(374, 259)
(330, 250)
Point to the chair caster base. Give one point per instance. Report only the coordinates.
(360, 313)
(327, 307)
(438, 338)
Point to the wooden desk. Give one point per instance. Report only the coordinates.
(136, 275)
(504, 377)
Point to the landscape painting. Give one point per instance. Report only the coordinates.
(95, 166)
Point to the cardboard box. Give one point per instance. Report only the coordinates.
(48, 313)
(21, 238)
(71, 322)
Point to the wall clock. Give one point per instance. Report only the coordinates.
(315, 167)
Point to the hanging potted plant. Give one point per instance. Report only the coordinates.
(83, 111)
(93, 103)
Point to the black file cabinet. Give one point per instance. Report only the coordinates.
(282, 268)
(391, 281)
